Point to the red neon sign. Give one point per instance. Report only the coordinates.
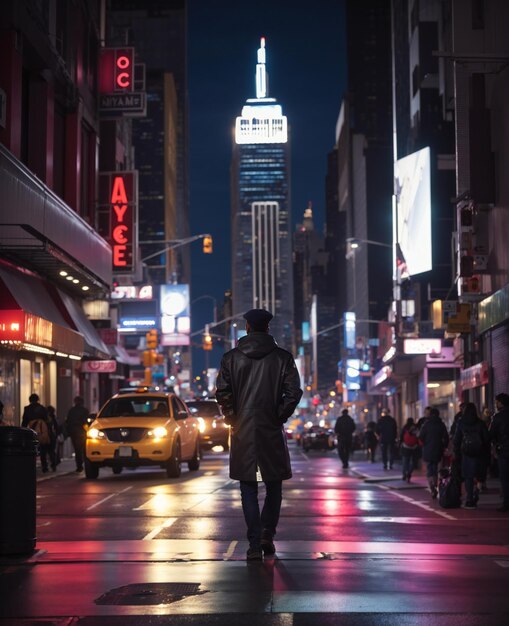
(116, 70)
(12, 325)
(121, 221)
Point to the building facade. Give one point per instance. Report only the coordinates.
(52, 260)
(261, 193)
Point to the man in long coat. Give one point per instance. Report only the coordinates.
(258, 388)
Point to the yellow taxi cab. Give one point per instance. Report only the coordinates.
(143, 428)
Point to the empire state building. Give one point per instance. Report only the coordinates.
(260, 210)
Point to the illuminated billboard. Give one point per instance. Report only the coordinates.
(175, 315)
(413, 206)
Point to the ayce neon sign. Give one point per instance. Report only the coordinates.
(122, 225)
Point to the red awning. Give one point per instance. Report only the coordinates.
(30, 319)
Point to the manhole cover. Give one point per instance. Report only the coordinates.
(149, 594)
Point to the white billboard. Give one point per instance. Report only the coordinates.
(413, 202)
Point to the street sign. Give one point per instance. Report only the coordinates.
(100, 367)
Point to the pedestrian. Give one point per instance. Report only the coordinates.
(471, 441)
(75, 427)
(35, 416)
(371, 440)
(55, 433)
(258, 388)
(344, 429)
(456, 419)
(499, 435)
(2, 419)
(409, 446)
(434, 439)
(422, 420)
(387, 431)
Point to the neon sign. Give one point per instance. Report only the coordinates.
(116, 72)
(119, 199)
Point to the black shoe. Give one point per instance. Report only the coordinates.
(254, 554)
(79, 469)
(267, 543)
(470, 504)
(434, 493)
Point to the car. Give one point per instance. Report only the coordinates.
(214, 431)
(143, 428)
(318, 438)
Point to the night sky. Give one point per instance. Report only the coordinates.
(305, 44)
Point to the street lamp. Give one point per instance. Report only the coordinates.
(214, 300)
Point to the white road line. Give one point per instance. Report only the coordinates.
(166, 524)
(112, 495)
(231, 549)
(502, 563)
(426, 507)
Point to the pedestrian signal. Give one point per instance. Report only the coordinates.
(207, 245)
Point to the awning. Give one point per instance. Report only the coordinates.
(122, 356)
(30, 318)
(94, 345)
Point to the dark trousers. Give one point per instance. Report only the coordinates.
(409, 461)
(78, 442)
(387, 453)
(344, 448)
(503, 473)
(269, 517)
(47, 451)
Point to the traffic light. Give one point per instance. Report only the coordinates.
(207, 341)
(149, 358)
(151, 339)
(207, 245)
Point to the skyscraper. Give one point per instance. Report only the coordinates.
(261, 239)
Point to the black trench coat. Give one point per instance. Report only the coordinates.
(258, 388)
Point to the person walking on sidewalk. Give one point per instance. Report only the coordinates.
(75, 427)
(409, 446)
(344, 429)
(434, 439)
(258, 388)
(499, 435)
(35, 416)
(371, 440)
(388, 432)
(471, 442)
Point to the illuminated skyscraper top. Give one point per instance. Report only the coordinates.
(262, 119)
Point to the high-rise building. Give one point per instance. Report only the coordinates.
(158, 31)
(260, 211)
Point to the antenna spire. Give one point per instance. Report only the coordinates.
(262, 79)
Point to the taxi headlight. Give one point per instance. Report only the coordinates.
(95, 433)
(201, 424)
(158, 432)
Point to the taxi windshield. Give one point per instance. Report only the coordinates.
(144, 406)
(204, 408)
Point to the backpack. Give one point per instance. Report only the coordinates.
(449, 490)
(472, 444)
(410, 439)
(41, 428)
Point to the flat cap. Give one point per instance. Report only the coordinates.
(258, 317)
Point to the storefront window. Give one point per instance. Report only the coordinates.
(8, 388)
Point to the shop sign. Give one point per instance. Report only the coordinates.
(458, 319)
(175, 339)
(475, 376)
(119, 193)
(381, 376)
(116, 70)
(101, 367)
(137, 323)
(131, 292)
(12, 325)
(422, 346)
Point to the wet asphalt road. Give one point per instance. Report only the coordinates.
(353, 547)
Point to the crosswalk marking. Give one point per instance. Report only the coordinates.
(166, 524)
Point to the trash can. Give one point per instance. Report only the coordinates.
(18, 455)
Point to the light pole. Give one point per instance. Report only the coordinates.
(172, 244)
(214, 300)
